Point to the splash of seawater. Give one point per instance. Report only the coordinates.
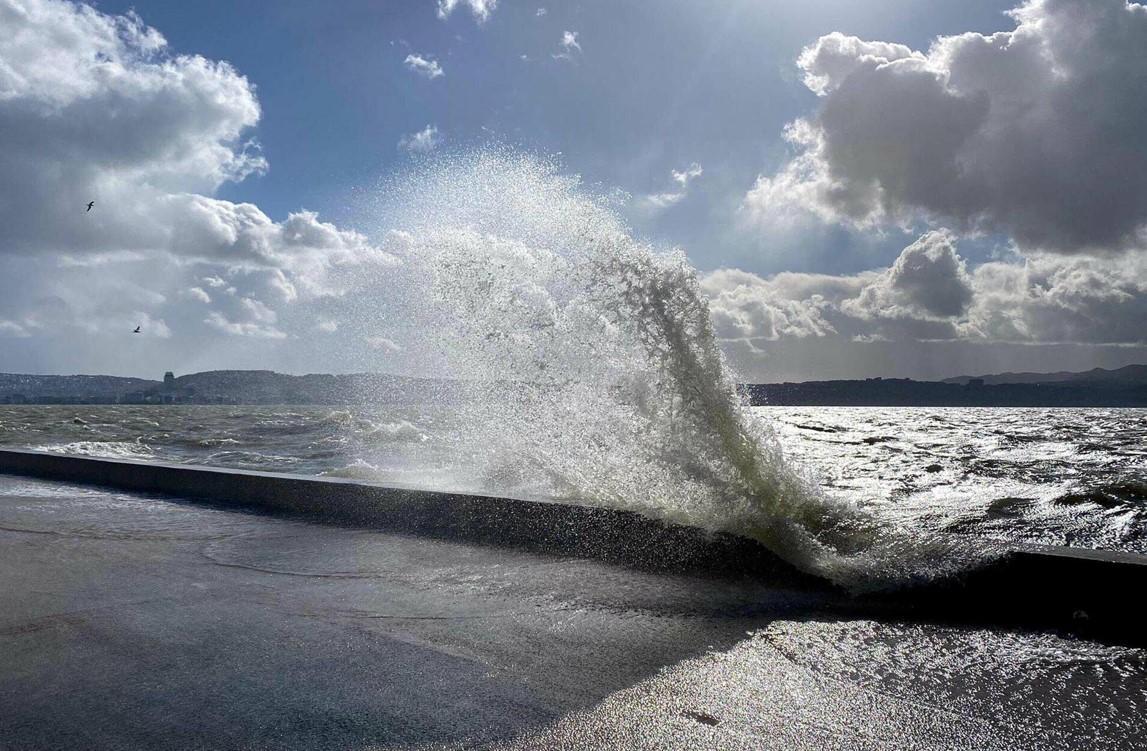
(599, 374)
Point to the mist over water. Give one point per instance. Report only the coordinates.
(597, 377)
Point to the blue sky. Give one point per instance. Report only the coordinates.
(659, 85)
(896, 187)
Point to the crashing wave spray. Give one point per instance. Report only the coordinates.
(599, 376)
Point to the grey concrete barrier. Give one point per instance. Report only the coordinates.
(1090, 593)
(553, 528)
(1093, 593)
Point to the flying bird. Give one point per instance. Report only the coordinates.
(90, 204)
(137, 328)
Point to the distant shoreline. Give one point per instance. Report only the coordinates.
(906, 393)
(1125, 387)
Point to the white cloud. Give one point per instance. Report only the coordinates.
(1051, 299)
(682, 178)
(569, 46)
(198, 294)
(1036, 133)
(427, 67)
(928, 293)
(804, 189)
(383, 344)
(278, 284)
(421, 142)
(747, 307)
(481, 9)
(12, 329)
(687, 175)
(327, 325)
(258, 311)
(254, 329)
(540, 12)
(148, 326)
(94, 107)
(93, 260)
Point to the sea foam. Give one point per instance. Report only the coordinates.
(595, 371)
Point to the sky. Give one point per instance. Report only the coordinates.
(918, 188)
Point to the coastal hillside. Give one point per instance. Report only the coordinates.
(20, 388)
(1125, 387)
(223, 387)
(1127, 374)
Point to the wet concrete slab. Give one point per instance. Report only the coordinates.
(136, 621)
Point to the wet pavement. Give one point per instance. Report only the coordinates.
(132, 621)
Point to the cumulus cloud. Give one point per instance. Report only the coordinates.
(1061, 300)
(383, 344)
(1036, 133)
(928, 279)
(255, 329)
(481, 9)
(928, 294)
(11, 328)
(95, 107)
(249, 317)
(681, 180)
(747, 307)
(568, 46)
(427, 67)
(92, 108)
(198, 294)
(421, 142)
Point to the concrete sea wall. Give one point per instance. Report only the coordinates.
(562, 529)
(1091, 593)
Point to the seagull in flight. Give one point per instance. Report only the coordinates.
(137, 330)
(90, 204)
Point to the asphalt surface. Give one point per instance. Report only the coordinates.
(131, 621)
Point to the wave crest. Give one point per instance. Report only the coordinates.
(597, 373)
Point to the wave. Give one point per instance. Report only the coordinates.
(398, 431)
(599, 375)
(1123, 495)
(134, 449)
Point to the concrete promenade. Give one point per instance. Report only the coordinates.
(134, 620)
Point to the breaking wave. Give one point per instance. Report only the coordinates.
(597, 376)
(135, 449)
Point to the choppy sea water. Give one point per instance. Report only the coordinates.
(1074, 477)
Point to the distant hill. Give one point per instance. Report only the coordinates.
(20, 388)
(1124, 387)
(225, 387)
(269, 387)
(1129, 373)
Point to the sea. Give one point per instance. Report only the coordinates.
(594, 375)
(1074, 477)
